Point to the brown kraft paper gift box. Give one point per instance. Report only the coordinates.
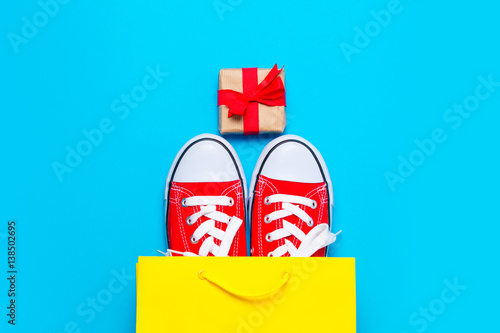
(261, 118)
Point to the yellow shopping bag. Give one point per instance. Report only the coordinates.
(245, 294)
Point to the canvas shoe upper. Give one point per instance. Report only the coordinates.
(205, 200)
(291, 201)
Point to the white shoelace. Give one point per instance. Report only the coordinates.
(318, 238)
(208, 207)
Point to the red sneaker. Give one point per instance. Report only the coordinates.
(291, 201)
(205, 200)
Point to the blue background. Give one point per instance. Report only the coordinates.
(362, 112)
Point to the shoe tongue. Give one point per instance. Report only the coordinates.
(207, 188)
(293, 188)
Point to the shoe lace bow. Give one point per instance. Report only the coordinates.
(317, 238)
(208, 208)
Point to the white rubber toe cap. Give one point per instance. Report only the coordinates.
(292, 160)
(206, 160)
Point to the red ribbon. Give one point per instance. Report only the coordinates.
(271, 91)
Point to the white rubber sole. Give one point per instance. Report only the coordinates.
(269, 147)
(188, 144)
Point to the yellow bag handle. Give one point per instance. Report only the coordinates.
(285, 277)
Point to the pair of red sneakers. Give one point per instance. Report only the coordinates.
(288, 212)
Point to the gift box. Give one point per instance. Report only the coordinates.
(245, 294)
(251, 100)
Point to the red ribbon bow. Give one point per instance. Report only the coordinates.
(270, 91)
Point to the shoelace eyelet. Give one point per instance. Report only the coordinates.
(268, 238)
(183, 202)
(193, 240)
(267, 201)
(231, 202)
(310, 223)
(314, 204)
(270, 254)
(189, 221)
(267, 219)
